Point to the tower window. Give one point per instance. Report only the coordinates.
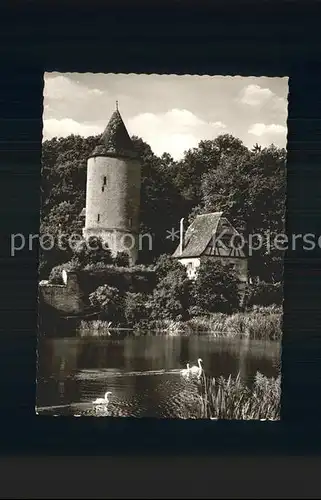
(98, 217)
(130, 222)
(105, 180)
(102, 189)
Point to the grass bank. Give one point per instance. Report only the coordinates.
(264, 323)
(258, 324)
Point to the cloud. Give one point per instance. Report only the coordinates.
(62, 128)
(169, 116)
(174, 131)
(269, 133)
(66, 97)
(61, 87)
(260, 129)
(254, 95)
(279, 104)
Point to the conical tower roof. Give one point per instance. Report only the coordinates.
(115, 140)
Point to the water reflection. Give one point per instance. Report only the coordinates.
(142, 373)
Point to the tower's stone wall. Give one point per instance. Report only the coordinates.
(113, 202)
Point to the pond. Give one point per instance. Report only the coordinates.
(142, 373)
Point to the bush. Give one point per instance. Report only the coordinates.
(264, 294)
(55, 276)
(122, 259)
(165, 264)
(109, 301)
(195, 311)
(93, 251)
(135, 308)
(124, 278)
(171, 297)
(216, 288)
(98, 267)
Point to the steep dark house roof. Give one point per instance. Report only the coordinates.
(200, 232)
(198, 235)
(115, 140)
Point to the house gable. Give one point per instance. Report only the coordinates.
(226, 242)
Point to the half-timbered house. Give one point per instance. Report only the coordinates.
(212, 236)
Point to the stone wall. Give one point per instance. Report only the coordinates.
(113, 203)
(71, 298)
(66, 299)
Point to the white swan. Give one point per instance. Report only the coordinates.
(186, 371)
(102, 401)
(197, 370)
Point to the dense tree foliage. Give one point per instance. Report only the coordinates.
(220, 174)
(92, 251)
(135, 310)
(264, 294)
(172, 294)
(250, 189)
(109, 301)
(216, 288)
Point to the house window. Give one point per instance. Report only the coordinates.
(190, 267)
(98, 217)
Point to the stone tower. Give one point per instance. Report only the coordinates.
(113, 190)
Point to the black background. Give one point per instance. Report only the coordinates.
(262, 38)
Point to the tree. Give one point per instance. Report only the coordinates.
(256, 148)
(135, 308)
(166, 264)
(219, 175)
(63, 185)
(92, 251)
(109, 301)
(63, 171)
(162, 206)
(250, 190)
(216, 288)
(198, 161)
(171, 296)
(62, 218)
(264, 294)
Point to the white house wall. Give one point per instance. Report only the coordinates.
(191, 266)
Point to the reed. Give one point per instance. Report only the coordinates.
(95, 328)
(257, 324)
(231, 399)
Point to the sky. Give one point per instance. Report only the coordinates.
(172, 113)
